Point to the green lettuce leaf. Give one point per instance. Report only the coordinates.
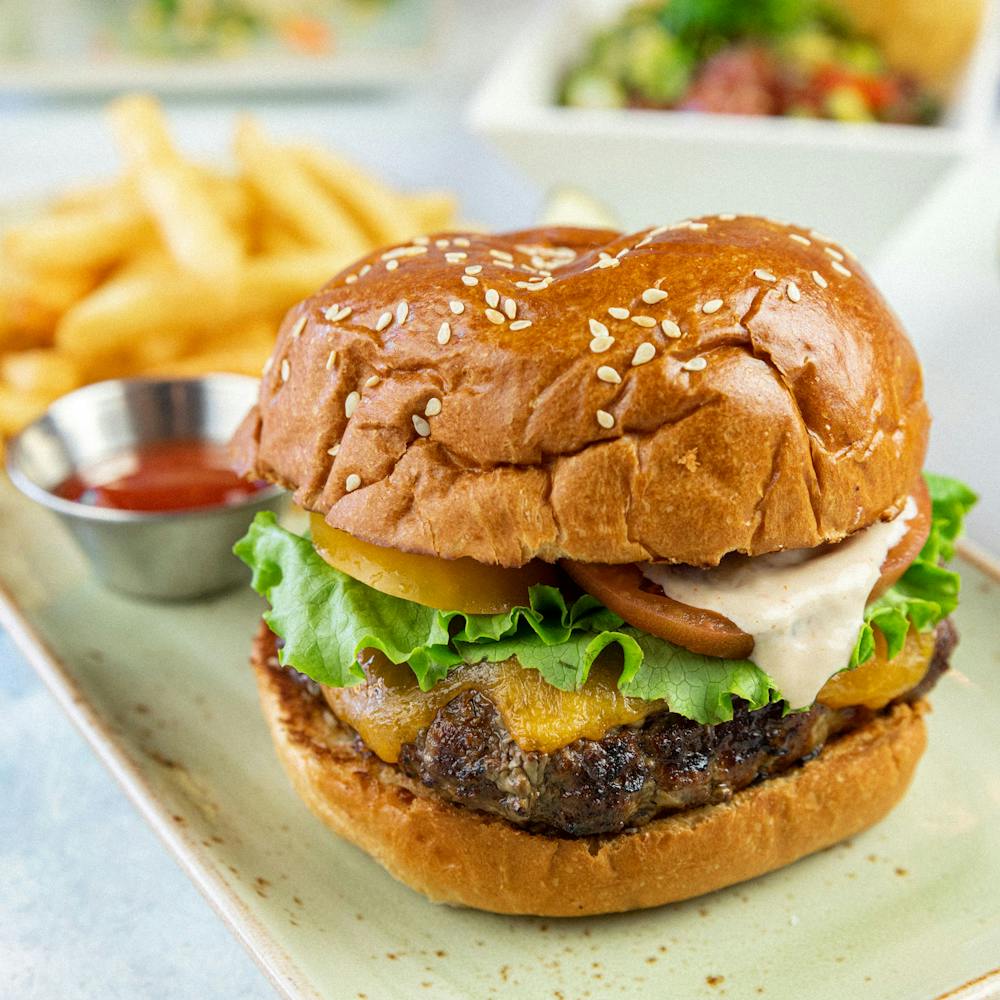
(927, 591)
(325, 618)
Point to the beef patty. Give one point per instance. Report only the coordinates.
(633, 773)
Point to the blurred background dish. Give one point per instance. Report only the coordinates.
(198, 46)
(855, 177)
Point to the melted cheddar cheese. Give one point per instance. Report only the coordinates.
(878, 680)
(391, 710)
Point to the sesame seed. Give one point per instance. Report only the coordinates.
(444, 333)
(351, 404)
(392, 265)
(402, 311)
(698, 364)
(441, 244)
(335, 315)
(505, 263)
(819, 279)
(521, 324)
(421, 241)
(764, 275)
(456, 257)
(608, 374)
(433, 407)
(350, 279)
(600, 344)
(726, 217)
(800, 239)
(383, 321)
(817, 235)
(670, 328)
(300, 325)
(643, 353)
(268, 365)
(474, 269)
(364, 270)
(840, 269)
(331, 358)
(792, 291)
(646, 321)
(617, 312)
(420, 425)
(332, 452)
(469, 280)
(698, 227)
(403, 252)
(510, 308)
(461, 241)
(605, 419)
(495, 317)
(621, 253)
(372, 381)
(597, 328)
(492, 297)
(835, 254)
(286, 369)
(457, 307)
(653, 295)
(352, 482)
(501, 254)
(711, 306)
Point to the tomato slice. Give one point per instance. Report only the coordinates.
(642, 604)
(447, 584)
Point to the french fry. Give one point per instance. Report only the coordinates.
(31, 304)
(247, 360)
(42, 372)
(384, 216)
(241, 348)
(273, 283)
(86, 239)
(176, 195)
(433, 210)
(292, 194)
(273, 236)
(18, 409)
(135, 305)
(140, 129)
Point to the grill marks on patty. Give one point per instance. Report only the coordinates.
(634, 773)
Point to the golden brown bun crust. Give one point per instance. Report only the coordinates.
(807, 423)
(458, 856)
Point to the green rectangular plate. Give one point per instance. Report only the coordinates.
(163, 694)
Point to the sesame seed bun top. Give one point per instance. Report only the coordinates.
(727, 384)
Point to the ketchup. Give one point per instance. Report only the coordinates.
(164, 475)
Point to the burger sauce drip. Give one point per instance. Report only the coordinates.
(803, 607)
(162, 476)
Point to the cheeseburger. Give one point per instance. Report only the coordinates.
(623, 582)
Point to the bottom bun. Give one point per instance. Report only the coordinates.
(462, 857)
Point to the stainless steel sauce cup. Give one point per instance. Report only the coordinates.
(170, 555)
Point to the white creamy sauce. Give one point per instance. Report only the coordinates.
(803, 608)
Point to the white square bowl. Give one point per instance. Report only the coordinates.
(855, 181)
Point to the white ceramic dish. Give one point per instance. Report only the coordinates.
(853, 181)
(164, 695)
(51, 55)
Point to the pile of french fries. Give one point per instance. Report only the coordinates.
(175, 268)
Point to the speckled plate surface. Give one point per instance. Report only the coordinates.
(163, 694)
